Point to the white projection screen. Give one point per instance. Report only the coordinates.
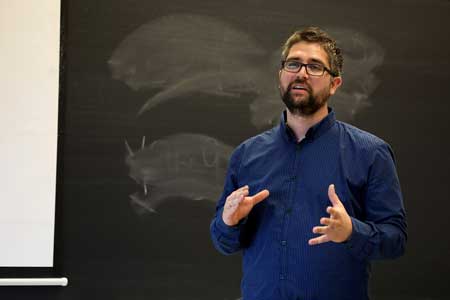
(29, 76)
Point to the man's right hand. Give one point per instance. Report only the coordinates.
(238, 205)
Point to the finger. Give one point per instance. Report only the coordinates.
(234, 201)
(319, 240)
(320, 229)
(333, 196)
(243, 188)
(328, 222)
(238, 199)
(238, 193)
(242, 193)
(333, 212)
(259, 197)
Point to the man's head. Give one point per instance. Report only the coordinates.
(317, 36)
(310, 72)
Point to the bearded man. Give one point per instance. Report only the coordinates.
(329, 199)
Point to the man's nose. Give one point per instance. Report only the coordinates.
(302, 74)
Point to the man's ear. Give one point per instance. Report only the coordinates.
(336, 82)
(279, 78)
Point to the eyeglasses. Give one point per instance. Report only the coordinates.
(294, 66)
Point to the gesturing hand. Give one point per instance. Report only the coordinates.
(238, 205)
(338, 227)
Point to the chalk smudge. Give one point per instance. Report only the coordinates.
(181, 54)
(185, 165)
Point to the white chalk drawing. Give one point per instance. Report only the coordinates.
(180, 54)
(185, 165)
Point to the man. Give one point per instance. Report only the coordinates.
(329, 199)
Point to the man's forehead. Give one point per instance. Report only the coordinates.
(308, 51)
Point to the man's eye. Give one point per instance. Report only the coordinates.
(292, 64)
(314, 67)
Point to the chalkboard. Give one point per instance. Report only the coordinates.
(155, 94)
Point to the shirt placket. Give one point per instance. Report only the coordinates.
(292, 180)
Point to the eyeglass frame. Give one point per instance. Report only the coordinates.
(283, 62)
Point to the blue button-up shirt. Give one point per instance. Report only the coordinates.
(278, 262)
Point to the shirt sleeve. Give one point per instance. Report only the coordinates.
(383, 232)
(226, 238)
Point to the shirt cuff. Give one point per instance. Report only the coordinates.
(358, 242)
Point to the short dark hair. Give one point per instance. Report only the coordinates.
(317, 35)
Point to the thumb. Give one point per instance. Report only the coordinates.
(260, 196)
(333, 196)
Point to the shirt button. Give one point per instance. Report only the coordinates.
(283, 243)
(289, 211)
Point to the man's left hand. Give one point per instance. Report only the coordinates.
(338, 227)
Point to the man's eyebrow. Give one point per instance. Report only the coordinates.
(313, 60)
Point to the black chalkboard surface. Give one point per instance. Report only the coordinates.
(155, 94)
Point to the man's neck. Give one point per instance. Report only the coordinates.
(301, 124)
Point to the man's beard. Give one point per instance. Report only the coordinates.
(305, 107)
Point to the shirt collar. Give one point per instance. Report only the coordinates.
(313, 132)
